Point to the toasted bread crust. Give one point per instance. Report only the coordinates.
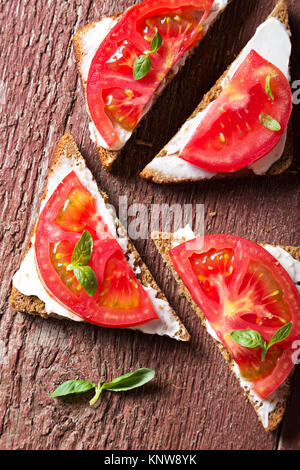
(163, 242)
(281, 13)
(108, 157)
(67, 147)
(77, 39)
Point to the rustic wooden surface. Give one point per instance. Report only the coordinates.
(194, 403)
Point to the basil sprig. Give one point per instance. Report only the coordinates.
(253, 339)
(142, 65)
(123, 383)
(269, 122)
(268, 87)
(81, 256)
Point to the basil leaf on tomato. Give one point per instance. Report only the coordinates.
(142, 67)
(247, 338)
(86, 278)
(269, 123)
(156, 42)
(83, 249)
(281, 334)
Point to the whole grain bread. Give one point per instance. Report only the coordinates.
(281, 13)
(163, 242)
(108, 157)
(67, 148)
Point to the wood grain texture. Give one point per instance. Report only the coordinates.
(194, 403)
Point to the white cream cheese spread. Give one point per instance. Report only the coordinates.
(269, 404)
(272, 41)
(90, 42)
(292, 266)
(27, 281)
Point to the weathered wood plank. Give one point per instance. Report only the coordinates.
(194, 402)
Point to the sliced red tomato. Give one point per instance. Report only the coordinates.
(113, 96)
(239, 285)
(232, 136)
(120, 300)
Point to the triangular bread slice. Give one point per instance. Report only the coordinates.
(86, 42)
(167, 167)
(271, 414)
(28, 294)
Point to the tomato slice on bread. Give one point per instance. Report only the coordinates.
(238, 285)
(120, 300)
(236, 130)
(114, 98)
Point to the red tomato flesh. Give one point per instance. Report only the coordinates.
(231, 136)
(113, 96)
(120, 300)
(239, 285)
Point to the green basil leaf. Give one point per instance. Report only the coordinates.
(281, 334)
(268, 87)
(247, 338)
(130, 380)
(83, 249)
(269, 122)
(72, 386)
(86, 278)
(141, 67)
(156, 42)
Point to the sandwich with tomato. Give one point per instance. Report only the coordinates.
(79, 263)
(247, 296)
(125, 61)
(241, 127)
